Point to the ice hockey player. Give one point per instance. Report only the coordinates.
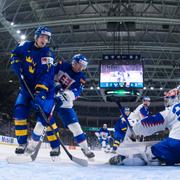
(34, 60)
(104, 136)
(70, 80)
(120, 130)
(141, 111)
(167, 150)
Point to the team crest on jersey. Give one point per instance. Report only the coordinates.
(65, 80)
(47, 60)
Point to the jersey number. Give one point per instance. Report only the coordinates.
(176, 110)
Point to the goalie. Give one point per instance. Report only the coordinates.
(167, 150)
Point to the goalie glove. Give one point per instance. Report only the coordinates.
(65, 99)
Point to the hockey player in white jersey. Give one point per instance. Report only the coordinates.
(139, 113)
(167, 150)
(104, 137)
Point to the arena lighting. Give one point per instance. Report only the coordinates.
(23, 37)
(91, 87)
(151, 88)
(12, 23)
(98, 87)
(122, 92)
(161, 88)
(10, 81)
(18, 31)
(144, 88)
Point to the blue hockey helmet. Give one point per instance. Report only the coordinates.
(79, 58)
(126, 109)
(42, 30)
(146, 98)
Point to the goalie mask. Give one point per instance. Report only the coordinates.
(171, 97)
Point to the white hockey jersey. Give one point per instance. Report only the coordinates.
(169, 118)
(139, 113)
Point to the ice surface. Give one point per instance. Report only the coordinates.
(64, 169)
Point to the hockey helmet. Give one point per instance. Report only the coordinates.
(42, 30)
(146, 98)
(172, 96)
(79, 58)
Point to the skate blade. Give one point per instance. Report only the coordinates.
(54, 158)
(91, 159)
(18, 159)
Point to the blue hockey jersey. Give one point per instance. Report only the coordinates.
(37, 66)
(69, 80)
(120, 129)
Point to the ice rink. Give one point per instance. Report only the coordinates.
(64, 169)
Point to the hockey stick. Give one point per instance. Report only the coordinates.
(79, 161)
(126, 119)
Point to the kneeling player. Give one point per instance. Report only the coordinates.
(166, 151)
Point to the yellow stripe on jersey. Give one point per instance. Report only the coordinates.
(42, 87)
(117, 142)
(54, 126)
(20, 122)
(123, 129)
(21, 132)
(51, 138)
(115, 145)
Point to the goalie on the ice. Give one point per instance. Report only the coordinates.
(166, 151)
(122, 132)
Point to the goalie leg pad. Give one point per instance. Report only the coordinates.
(134, 161)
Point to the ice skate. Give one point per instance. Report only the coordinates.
(89, 154)
(31, 147)
(20, 149)
(54, 153)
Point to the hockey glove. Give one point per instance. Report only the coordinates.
(65, 99)
(58, 88)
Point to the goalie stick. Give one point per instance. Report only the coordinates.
(79, 161)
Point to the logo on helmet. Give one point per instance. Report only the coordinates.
(42, 31)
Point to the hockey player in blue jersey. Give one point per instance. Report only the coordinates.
(104, 136)
(34, 61)
(69, 80)
(120, 130)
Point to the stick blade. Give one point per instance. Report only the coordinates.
(82, 162)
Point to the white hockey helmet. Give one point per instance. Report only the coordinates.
(104, 126)
(172, 96)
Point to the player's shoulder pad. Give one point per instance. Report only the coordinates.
(24, 43)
